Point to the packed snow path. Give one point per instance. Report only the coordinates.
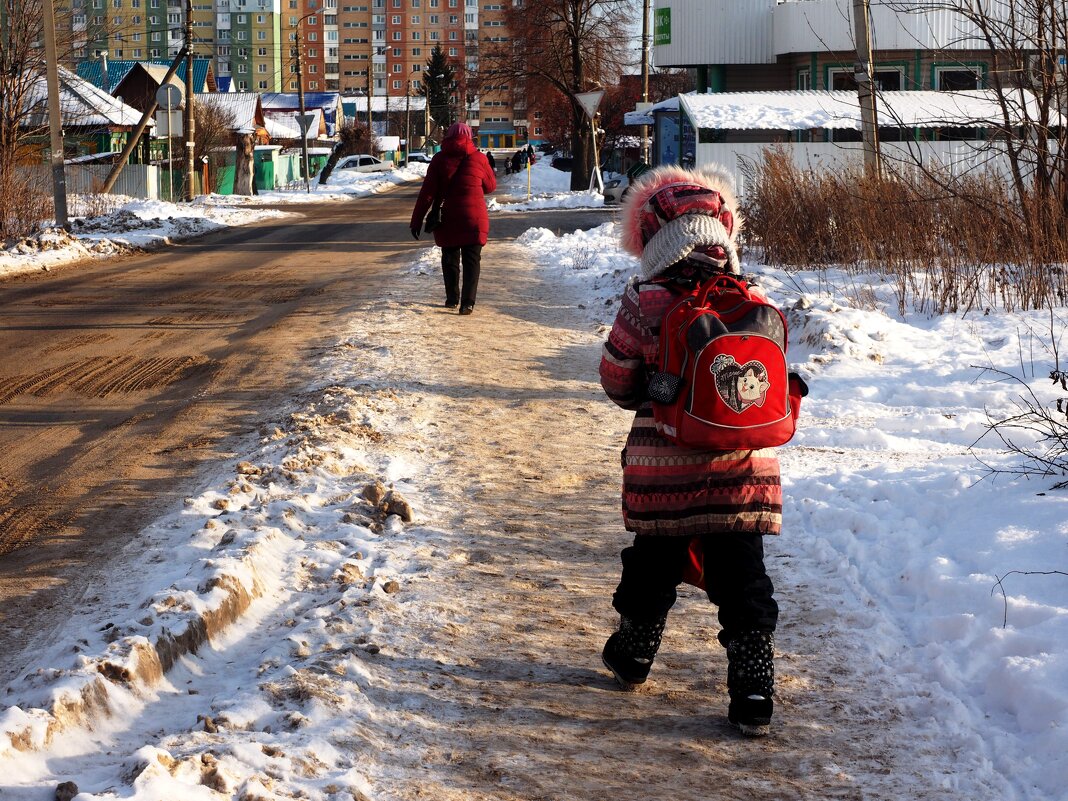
(458, 657)
(504, 696)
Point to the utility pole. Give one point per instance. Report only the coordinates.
(645, 76)
(55, 121)
(303, 123)
(407, 120)
(862, 73)
(190, 122)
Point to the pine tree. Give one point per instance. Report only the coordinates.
(437, 86)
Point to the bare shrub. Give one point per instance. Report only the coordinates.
(949, 244)
(25, 203)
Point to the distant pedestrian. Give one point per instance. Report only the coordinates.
(456, 180)
(683, 226)
(492, 161)
(518, 160)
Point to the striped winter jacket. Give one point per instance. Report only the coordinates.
(669, 489)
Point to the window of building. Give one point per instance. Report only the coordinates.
(396, 19)
(887, 79)
(397, 36)
(242, 69)
(454, 51)
(957, 79)
(313, 69)
(804, 79)
(417, 51)
(262, 51)
(261, 67)
(396, 84)
(398, 68)
(262, 35)
(452, 38)
(415, 36)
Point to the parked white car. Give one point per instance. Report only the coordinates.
(364, 163)
(615, 187)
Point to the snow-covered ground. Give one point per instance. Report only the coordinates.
(935, 581)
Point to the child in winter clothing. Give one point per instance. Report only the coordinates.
(683, 224)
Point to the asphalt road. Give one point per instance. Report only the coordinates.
(120, 379)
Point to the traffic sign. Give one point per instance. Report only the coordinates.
(169, 96)
(589, 101)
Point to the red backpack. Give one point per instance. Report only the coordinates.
(723, 382)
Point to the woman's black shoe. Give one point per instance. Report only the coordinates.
(466, 309)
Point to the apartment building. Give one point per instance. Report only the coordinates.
(356, 47)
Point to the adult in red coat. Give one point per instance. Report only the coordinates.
(457, 178)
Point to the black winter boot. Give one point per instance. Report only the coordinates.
(630, 651)
(751, 681)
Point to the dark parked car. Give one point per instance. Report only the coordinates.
(564, 163)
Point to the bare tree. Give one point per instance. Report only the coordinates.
(215, 127)
(23, 117)
(564, 47)
(1027, 41)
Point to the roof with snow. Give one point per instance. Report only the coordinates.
(380, 104)
(283, 124)
(329, 103)
(646, 117)
(82, 105)
(803, 110)
(245, 106)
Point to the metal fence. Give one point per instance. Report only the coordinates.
(136, 180)
(958, 157)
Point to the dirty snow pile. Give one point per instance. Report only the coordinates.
(934, 579)
(129, 225)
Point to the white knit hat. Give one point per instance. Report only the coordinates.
(682, 236)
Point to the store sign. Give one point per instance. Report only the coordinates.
(662, 26)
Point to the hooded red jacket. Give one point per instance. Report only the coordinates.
(464, 220)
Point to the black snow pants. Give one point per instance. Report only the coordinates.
(735, 580)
